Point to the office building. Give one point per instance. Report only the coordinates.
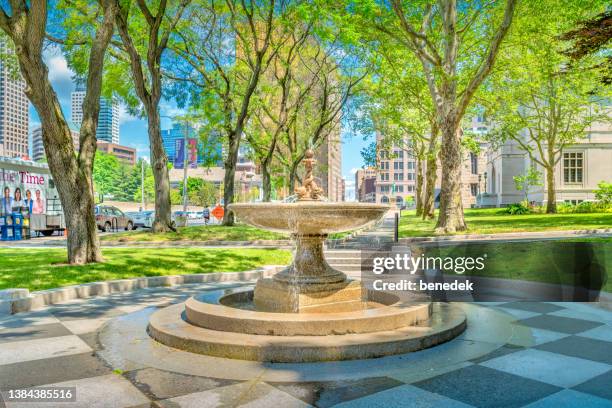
(14, 114)
(108, 119)
(123, 153)
(38, 148)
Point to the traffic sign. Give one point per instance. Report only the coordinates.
(218, 212)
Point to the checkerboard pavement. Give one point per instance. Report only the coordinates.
(568, 363)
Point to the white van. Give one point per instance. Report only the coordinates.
(27, 187)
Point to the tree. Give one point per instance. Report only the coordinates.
(145, 33)
(540, 101)
(106, 174)
(590, 37)
(456, 46)
(201, 192)
(524, 182)
(334, 79)
(25, 23)
(284, 88)
(224, 53)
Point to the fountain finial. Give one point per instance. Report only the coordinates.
(310, 190)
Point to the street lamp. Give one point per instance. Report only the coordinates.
(485, 181)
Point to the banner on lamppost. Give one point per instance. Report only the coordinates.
(179, 153)
(193, 153)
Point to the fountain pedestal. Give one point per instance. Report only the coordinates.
(274, 296)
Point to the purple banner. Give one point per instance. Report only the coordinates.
(179, 153)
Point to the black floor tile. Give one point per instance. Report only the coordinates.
(600, 386)
(559, 324)
(32, 332)
(536, 307)
(159, 384)
(51, 370)
(485, 387)
(581, 347)
(326, 394)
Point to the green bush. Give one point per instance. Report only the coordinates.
(604, 193)
(518, 209)
(586, 207)
(565, 208)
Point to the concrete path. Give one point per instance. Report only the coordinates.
(551, 355)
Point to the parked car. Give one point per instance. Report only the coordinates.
(142, 219)
(109, 218)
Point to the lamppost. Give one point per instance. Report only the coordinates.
(479, 181)
(485, 181)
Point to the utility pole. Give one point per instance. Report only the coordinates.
(142, 188)
(185, 163)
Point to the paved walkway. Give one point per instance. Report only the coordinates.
(512, 355)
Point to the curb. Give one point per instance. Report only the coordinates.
(510, 235)
(21, 300)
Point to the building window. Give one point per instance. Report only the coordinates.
(410, 188)
(572, 167)
(398, 165)
(398, 176)
(573, 202)
(410, 176)
(474, 163)
(474, 189)
(410, 165)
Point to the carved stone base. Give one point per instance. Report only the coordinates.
(274, 296)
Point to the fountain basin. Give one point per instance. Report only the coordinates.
(167, 327)
(309, 217)
(382, 312)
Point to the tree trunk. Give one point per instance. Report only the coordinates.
(451, 218)
(266, 182)
(419, 186)
(551, 203)
(159, 165)
(293, 177)
(430, 185)
(431, 175)
(230, 171)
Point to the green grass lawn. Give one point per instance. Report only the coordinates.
(238, 232)
(493, 220)
(540, 261)
(38, 269)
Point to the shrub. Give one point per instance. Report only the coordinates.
(604, 193)
(518, 209)
(565, 208)
(586, 207)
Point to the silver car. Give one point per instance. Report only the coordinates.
(142, 219)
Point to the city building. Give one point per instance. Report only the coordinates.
(209, 152)
(365, 184)
(14, 114)
(123, 153)
(397, 169)
(581, 167)
(247, 184)
(328, 170)
(38, 148)
(396, 178)
(108, 119)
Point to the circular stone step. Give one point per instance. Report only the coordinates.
(168, 327)
(390, 315)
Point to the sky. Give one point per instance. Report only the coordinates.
(133, 130)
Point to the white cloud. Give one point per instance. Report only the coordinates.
(125, 116)
(58, 69)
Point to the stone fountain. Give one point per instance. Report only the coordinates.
(308, 311)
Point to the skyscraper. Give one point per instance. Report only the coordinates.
(108, 119)
(14, 114)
